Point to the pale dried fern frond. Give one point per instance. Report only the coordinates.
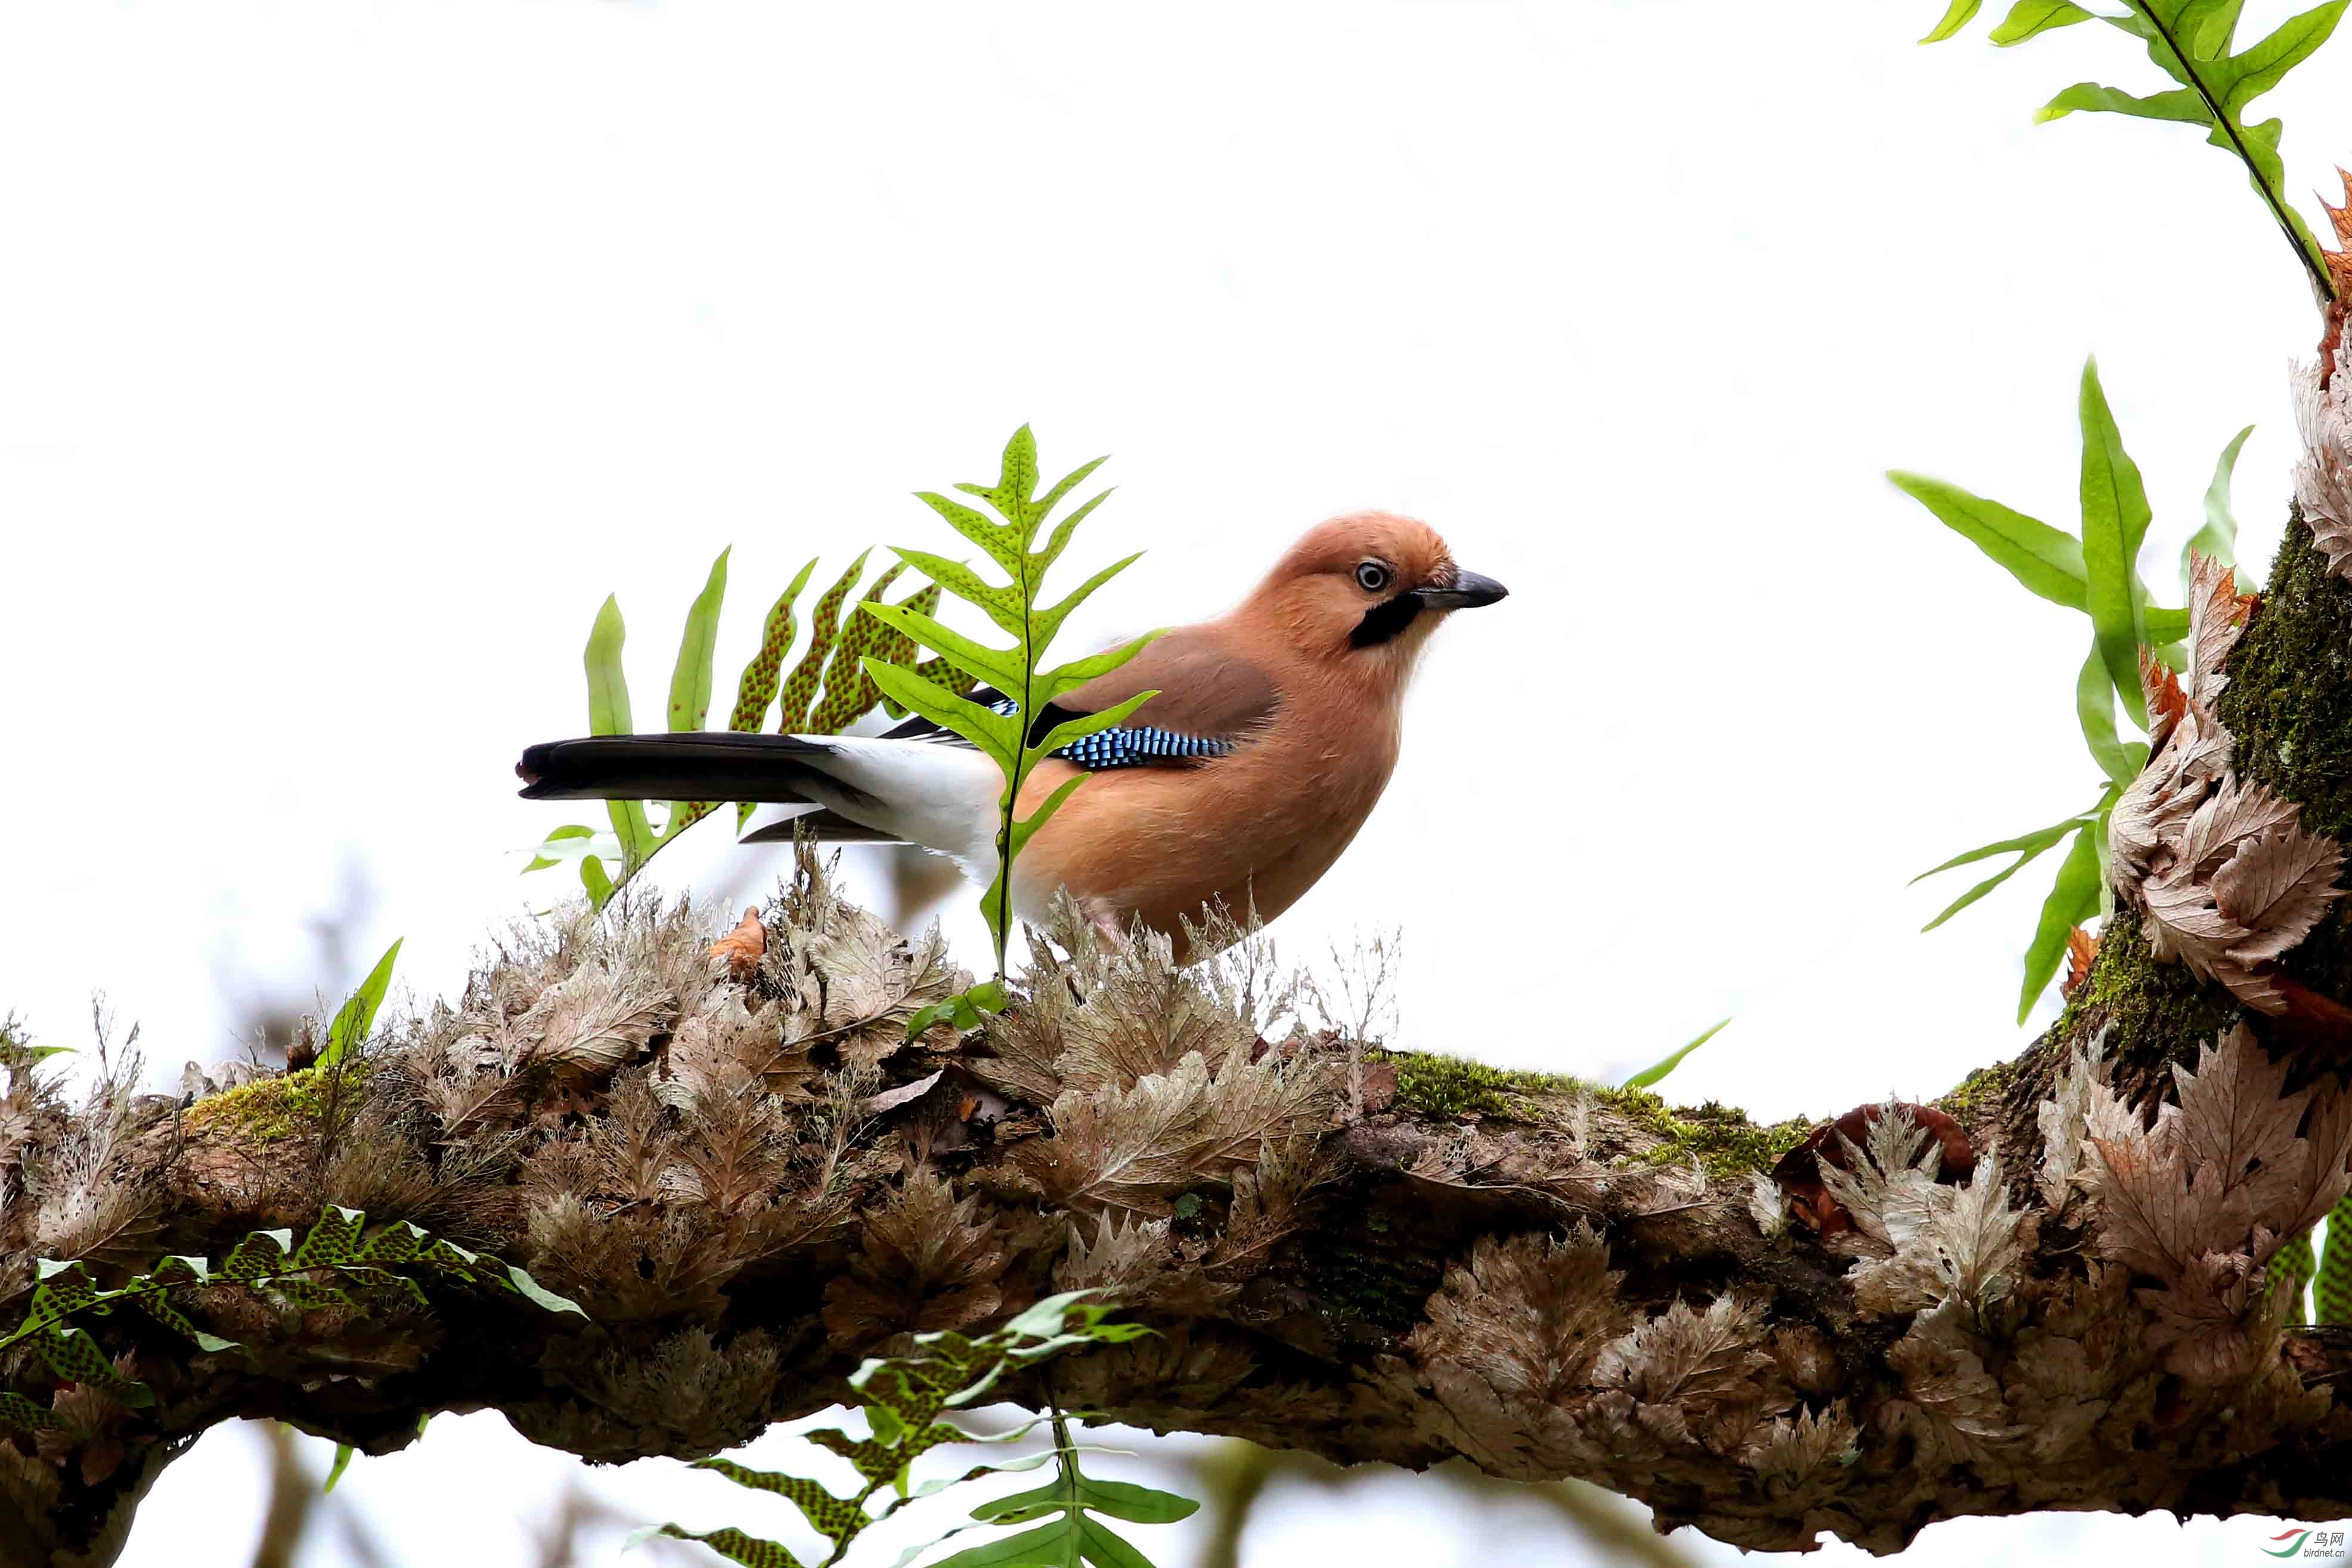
(1969, 1249)
(2065, 1119)
(1885, 1185)
(2322, 476)
(1529, 1316)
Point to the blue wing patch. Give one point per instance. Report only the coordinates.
(1131, 746)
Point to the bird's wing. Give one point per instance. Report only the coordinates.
(1209, 701)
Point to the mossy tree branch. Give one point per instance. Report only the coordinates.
(1548, 1276)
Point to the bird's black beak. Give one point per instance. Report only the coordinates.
(1469, 591)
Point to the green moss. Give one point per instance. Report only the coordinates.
(2289, 701)
(2151, 1011)
(271, 1109)
(1454, 1087)
(2289, 705)
(1980, 1094)
(1722, 1138)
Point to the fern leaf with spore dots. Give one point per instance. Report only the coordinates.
(271, 1261)
(2290, 1269)
(799, 696)
(2333, 1289)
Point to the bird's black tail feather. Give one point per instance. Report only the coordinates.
(707, 765)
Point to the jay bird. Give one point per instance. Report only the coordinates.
(1274, 730)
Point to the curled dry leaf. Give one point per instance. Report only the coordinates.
(905, 1094)
(2166, 700)
(1835, 1143)
(743, 947)
(2081, 948)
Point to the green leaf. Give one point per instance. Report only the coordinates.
(2048, 561)
(1060, 541)
(2030, 18)
(2189, 41)
(1045, 624)
(799, 694)
(755, 689)
(1105, 1548)
(1054, 1545)
(539, 1295)
(1000, 668)
(1054, 498)
(965, 1009)
(2095, 707)
(2074, 898)
(1045, 1319)
(1120, 1499)
(608, 714)
(730, 1543)
(21, 1413)
(2026, 847)
(2332, 1292)
(1002, 544)
(2179, 104)
(1001, 603)
(1956, 16)
(1651, 1075)
(344, 1452)
(2218, 540)
(992, 732)
(697, 652)
(2114, 522)
(593, 877)
(566, 843)
(1016, 608)
(837, 1519)
(608, 684)
(357, 1015)
(1052, 685)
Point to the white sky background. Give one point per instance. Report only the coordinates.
(352, 353)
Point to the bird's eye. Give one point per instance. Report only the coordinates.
(1371, 577)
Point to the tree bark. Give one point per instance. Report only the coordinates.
(1549, 1278)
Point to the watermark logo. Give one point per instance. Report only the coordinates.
(2308, 1544)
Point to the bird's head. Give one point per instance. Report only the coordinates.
(1366, 590)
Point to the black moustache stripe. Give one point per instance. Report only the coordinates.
(1385, 621)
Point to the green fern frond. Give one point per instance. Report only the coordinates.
(301, 1274)
(2193, 42)
(1017, 608)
